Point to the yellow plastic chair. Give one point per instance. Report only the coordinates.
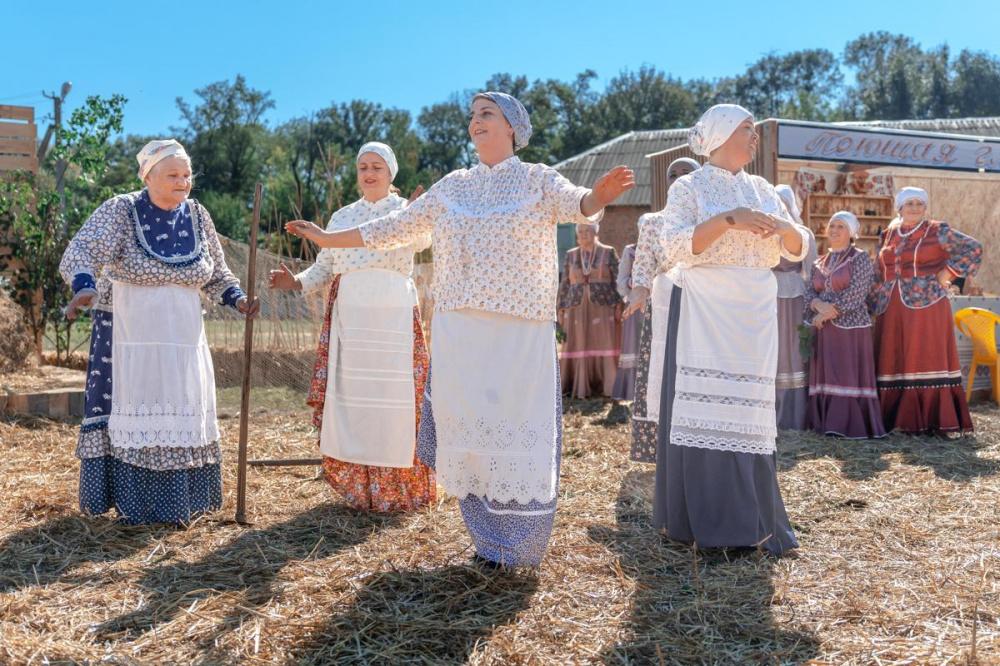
(979, 325)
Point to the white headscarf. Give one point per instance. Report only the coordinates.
(908, 193)
(788, 196)
(850, 219)
(715, 127)
(155, 152)
(383, 151)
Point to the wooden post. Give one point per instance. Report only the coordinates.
(241, 474)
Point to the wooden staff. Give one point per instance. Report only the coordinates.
(241, 474)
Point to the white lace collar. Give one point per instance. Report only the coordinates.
(718, 172)
(498, 167)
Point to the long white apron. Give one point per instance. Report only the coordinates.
(493, 382)
(369, 417)
(659, 302)
(163, 382)
(727, 358)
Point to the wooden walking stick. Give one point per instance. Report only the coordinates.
(241, 474)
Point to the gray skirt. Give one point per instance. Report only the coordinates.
(709, 498)
(791, 384)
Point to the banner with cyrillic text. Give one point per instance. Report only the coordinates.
(898, 147)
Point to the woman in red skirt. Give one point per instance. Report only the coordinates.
(918, 374)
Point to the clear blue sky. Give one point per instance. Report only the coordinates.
(408, 54)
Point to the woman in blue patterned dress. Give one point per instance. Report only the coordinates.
(149, 443)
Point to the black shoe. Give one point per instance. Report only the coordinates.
(481, 561)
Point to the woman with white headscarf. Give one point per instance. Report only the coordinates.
(842, 396)
(149, 442)
(918, 372)
(791, 385)
(589, 311)
(368, 420)
(491, 425)
(650, 284)
(723, 231)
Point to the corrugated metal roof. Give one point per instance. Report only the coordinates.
(989, 126)
(631, 149)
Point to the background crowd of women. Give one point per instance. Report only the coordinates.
(712, 364)
(864, 347)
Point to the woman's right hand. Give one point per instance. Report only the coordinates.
(282, 278)
(80, 301)
(636, 301)
(756, 222)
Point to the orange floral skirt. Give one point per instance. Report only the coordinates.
(367, 487)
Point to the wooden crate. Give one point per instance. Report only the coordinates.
(873, 212)
(18, 138)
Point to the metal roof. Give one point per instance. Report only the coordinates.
(989, 126)
(628, 149)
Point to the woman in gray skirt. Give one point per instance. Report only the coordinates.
(723, 230)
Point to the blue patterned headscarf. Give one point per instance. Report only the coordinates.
(515, 113)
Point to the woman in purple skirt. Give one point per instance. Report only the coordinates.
(843, 399)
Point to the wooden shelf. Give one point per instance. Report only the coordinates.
(817, 220)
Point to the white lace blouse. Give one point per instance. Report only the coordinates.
(334, 261)
(710, 190)
(494, 236)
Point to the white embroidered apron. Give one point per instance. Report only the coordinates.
(369, 416)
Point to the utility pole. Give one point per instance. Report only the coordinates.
(56, 128)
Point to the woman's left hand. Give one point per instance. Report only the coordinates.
(613, 184)
(303, 229)
(781, 225)
(250, 309)
(944, 278)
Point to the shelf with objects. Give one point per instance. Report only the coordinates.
(873, 212)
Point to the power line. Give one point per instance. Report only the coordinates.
(34, 94)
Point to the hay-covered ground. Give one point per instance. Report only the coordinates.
(900, 564)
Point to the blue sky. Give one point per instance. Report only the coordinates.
(408, 55)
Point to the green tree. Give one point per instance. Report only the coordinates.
(800, 84)
(444, 131)
(30, 208)
(643, 100)
(976, 85)
(225, 135)
(888, 77)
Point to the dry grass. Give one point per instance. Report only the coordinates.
(900, 564)
(16, 342)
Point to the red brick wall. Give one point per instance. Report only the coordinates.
(619, 226)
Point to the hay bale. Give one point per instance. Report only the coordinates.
(16, 342)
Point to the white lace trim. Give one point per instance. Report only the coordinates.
(502, 462)
(719, 442)
(179, 259)
(709, 373)
(137, 426)
(725, 426)
(731, 400)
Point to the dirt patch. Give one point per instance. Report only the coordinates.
(43, 378)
